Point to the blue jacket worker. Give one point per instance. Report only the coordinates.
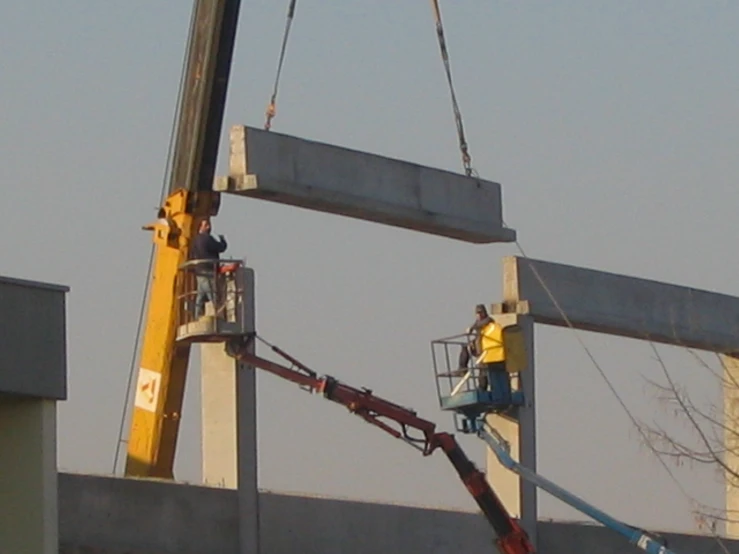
(206, 248)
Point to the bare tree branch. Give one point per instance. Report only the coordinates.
(688, 411)
(710, 433)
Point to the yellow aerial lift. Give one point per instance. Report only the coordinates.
(163, 364)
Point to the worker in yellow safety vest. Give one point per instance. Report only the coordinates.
(471, 350)
(491, 357)
(485, 348)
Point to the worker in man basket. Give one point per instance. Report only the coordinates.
(470, 350)
(486, 346)
(205, 247)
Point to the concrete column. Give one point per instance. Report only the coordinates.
(731, 443)
(28, 476)
(248, 484)
(518, 496)
(229, 425)
(219, 416)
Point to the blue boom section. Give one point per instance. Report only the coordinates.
(638, 537)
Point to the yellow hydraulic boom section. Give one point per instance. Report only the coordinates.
(163, 367)
(163, 364)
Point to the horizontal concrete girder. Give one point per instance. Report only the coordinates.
(622, 305)
(332, 179)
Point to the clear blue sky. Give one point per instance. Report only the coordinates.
(612, 126)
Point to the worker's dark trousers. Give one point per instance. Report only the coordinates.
(494, 377)
(464, 356)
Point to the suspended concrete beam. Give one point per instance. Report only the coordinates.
(298, 172)
(621, 305)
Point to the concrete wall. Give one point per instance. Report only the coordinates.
(127, 516)
(33, 352)
(33, 377)
(28, 476)
(104, 515)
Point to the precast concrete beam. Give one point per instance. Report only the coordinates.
(621, 305)
(322, 177)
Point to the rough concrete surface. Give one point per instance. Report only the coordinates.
(34, 315)
(575, 538)
(623, 305)
(322, 177)
(131, 516)
(104, 515)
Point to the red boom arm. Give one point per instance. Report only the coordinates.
(510, 537)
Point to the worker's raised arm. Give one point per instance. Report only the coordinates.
(216, 246)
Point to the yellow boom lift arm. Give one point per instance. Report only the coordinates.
(160, 383)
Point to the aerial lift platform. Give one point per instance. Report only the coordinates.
(460, 392)
(460, 389)
(223, 318)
